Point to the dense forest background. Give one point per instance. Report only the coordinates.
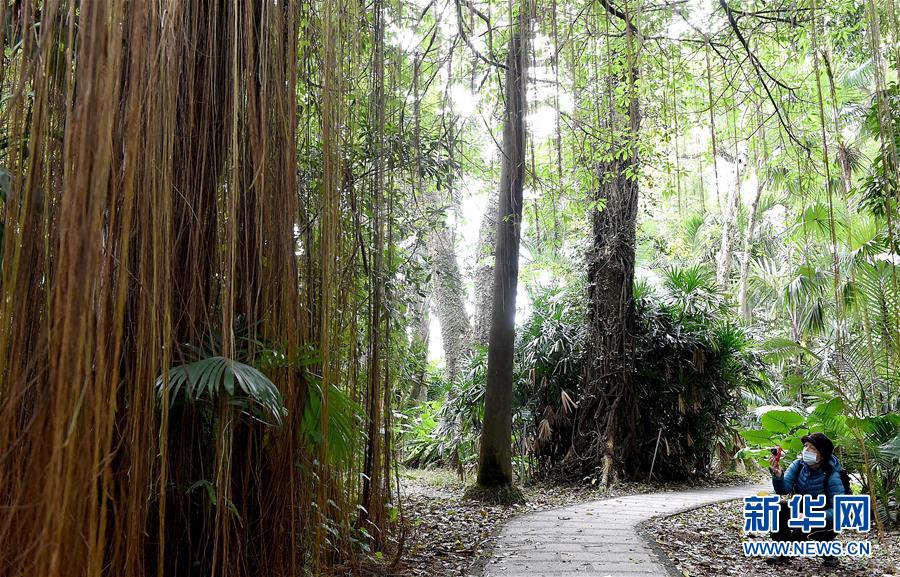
(258, 255)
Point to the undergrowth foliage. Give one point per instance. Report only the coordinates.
(550, 364)
(692, 363)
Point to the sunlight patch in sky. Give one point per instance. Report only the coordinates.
(542, 123)
(464, 102)
(699, 14)
(405, 38)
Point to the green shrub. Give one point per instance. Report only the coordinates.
(549, 368)
(692, 362)
(445, 432)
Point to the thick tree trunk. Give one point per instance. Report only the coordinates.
(447, 291)
(611, 313)
(608, 411)
(495, 459)
(484, 272)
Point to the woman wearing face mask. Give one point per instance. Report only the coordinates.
(815, 472)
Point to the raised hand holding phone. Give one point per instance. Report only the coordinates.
(774, 460)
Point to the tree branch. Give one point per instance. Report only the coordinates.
(760, 70)
(465, 37)
(619, 14)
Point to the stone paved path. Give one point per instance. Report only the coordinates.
(597, 539)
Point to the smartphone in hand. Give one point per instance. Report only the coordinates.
(777, 452)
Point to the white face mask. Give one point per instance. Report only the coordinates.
(809, 457)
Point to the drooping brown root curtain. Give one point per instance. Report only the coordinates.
(153, 202)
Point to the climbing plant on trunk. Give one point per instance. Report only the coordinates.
(608, 412)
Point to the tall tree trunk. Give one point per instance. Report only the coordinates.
(610, 294)
(484, 272)
(419, 347)
(743, 301)
(712, 128)
(608, 411)
(843, 157)
(495, 459)
(374, 482)
(447, 290)
(724, 259)
(422, 328)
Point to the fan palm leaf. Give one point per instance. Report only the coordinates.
(209, 378)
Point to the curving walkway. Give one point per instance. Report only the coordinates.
(596, 539)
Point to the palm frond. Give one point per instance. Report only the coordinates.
(860, 77)
(210, 378)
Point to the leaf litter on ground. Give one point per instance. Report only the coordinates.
(449, 536)
(706, 542)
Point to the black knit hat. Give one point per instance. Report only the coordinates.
(822, 443)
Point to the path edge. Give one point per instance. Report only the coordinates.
(476, 568)
(653, 544)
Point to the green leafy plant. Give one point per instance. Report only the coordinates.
(785, 426)
(693, 364)
(691, 291)
(445, 432)
(343, 421)
(549, 367)
(207, 380)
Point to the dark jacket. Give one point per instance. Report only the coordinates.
(800, 479)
